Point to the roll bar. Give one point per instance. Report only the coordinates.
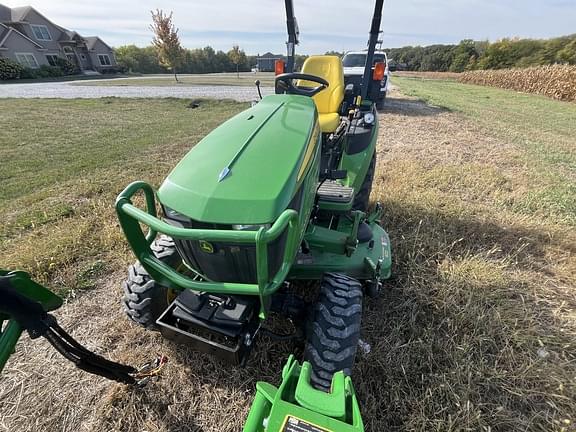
(372, 41)
(293, 34)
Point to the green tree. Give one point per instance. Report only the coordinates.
(568, 53)
(135, 59)
(464, 55)
(499, 55)
(299, 60)
(166, 41)
(237, 56)
(127, 56)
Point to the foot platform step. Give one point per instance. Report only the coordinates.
(332, 191)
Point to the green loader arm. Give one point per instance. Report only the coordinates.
(25, 305)
(10, 333)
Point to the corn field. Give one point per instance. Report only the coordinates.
(555, 81)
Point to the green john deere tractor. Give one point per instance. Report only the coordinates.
(274, 196)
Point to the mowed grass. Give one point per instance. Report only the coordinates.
(477, 331)
(220, 79)
(64, 162)
(542, 129)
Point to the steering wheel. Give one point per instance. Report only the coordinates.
(284, 84)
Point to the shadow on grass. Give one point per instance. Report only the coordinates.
(461, 339)
(410, 107)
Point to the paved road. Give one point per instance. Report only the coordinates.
(65, 90)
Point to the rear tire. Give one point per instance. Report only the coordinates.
(145, 299)
(334, 329)
(362, 198)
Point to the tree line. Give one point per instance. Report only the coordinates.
(472, 55)
(198, 60)
(467, 55)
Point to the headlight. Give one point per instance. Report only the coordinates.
(250, 227)
(173, 214)
(369, 118)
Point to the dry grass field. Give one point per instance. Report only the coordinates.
(476, 332)
(555, 81)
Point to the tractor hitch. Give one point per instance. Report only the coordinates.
(224, 326)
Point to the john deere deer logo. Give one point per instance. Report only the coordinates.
(206, 247)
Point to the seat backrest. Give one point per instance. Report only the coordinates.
(329, 68)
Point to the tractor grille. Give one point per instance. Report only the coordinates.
(226, 262)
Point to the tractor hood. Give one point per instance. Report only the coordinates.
(247, 170)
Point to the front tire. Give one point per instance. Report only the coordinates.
(334, 329)
(145, 299)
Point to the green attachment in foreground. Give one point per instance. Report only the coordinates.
(296, 406)
(10, 333)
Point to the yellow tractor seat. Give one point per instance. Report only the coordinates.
(329, 100)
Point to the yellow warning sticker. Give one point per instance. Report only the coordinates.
(294, 424)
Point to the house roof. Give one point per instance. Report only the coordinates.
(91, 42)
(5, 13)
(5, 31)
(19, 13)
(269, 56)
(67, 35)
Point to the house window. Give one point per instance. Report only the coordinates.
(27, 59)
(52, 59)
(41, 32)
(104, 60)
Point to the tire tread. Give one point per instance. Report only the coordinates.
(334, 330)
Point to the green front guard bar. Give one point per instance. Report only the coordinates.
(131, 216)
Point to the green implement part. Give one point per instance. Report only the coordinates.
(296, 406)
(10, 333)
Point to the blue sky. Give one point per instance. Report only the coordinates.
(259, 25)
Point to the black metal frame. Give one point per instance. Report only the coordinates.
(374, 33)
(293, 34)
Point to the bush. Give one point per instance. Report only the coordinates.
(28, 73)
(10, 69)
(67, 67)
(114, 70)
(46, 71)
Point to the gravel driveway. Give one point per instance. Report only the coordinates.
(65, 90)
